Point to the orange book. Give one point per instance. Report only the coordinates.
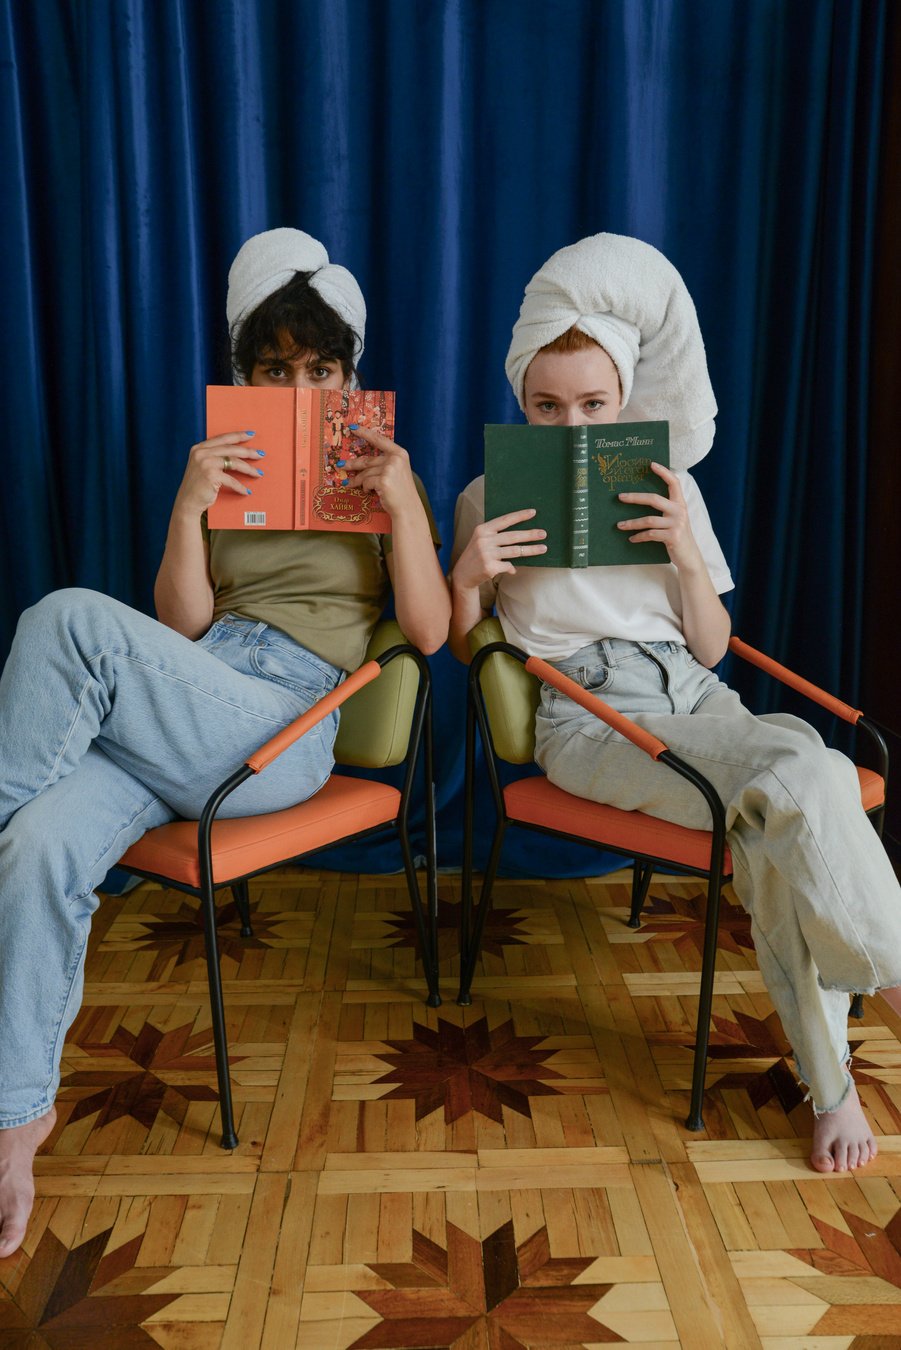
(304, 432)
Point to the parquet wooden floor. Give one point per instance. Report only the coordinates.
(510, 1175)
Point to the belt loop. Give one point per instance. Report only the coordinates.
(607, 648)
(253, 633)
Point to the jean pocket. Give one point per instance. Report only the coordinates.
(293, 669)
(595, 677)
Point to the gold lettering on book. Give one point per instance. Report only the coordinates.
(614, 469)
(352, 505)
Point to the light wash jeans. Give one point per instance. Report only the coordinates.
(111, 724)
(823, 898)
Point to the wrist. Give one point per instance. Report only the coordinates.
(185, 512)
(461, 587)
(407, 509)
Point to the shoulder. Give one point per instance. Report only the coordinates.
(469, 512)
(472, 499)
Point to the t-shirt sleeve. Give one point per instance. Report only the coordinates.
(470, 512)
(387, 542)
(707, 541)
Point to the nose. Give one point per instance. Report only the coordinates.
(571, 417)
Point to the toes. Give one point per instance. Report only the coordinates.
(822, 1162)
(11, 1237)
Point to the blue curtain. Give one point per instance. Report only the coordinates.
(442, 149)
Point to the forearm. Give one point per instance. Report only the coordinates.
(466, 612)
(705, 621)
(183, 593)
(421, 601)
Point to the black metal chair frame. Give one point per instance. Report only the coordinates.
(425, 912)
(473, 914)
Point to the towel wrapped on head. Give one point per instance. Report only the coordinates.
(268, 261)
(631, 300)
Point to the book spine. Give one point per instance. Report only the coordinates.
(578, 547)
(302, 457)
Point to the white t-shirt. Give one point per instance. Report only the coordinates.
(553, 611)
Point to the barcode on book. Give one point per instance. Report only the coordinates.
(254, 517)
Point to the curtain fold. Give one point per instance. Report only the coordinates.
(442, 149)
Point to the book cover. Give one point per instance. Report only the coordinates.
(304, 433)
(572, 476)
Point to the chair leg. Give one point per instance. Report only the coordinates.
(641, 880)
(214, 977)
(469, 953)
(426, 931)
(241, 895)
(856, 1009)
(695, 1119)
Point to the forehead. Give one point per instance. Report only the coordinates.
(588, 370)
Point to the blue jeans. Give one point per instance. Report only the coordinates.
(823, 898)
(112, 724)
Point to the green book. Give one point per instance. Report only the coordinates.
(572, 477)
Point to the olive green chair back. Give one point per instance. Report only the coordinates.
(374, 726)
(511, 697)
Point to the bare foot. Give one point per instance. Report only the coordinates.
(17, 1149)
(842, 1139)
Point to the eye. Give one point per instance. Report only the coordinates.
(321, 372)
(275, 373)
(594, 404)
(547, 407)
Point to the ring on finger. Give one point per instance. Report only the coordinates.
(226, 463)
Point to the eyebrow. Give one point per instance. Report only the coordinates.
(593, 393)
(293, 360)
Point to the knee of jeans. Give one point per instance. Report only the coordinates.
(57, 608)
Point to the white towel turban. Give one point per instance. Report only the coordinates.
(268, 261)
(633, 302)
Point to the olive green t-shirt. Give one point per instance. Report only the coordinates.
(325, 588)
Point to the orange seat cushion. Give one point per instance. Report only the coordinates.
(535, 801)
(344, 806)
(872, 788)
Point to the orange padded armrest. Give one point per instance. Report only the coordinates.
(643, 739)
(811, 691)
(294, 730)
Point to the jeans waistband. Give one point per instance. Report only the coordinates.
(610, 651)
(252, 631)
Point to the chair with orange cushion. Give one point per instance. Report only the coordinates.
(385, 720)
(504, 686)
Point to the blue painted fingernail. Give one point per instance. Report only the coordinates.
(260, 473)
(353, 426)
(344, 482)
(261, 452)
(249, 493)
(250, 433)
(340, 463)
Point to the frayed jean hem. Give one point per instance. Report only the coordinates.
(827, 1110)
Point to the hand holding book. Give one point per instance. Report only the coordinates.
(385, 470)
(670, 526)
(227, 461)
(495, 547)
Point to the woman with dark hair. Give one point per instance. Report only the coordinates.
(113, 723)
